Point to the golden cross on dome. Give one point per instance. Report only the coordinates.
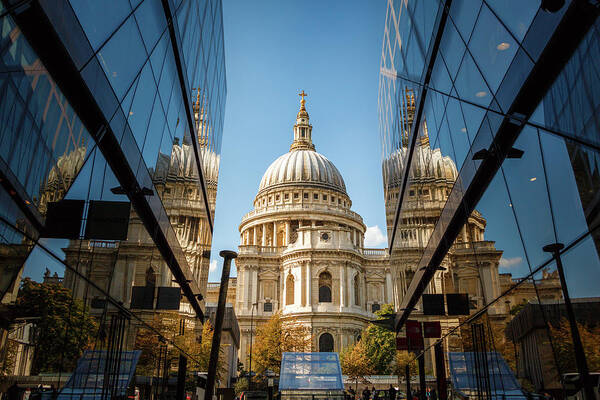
(302, 95)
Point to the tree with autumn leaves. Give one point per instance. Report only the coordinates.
(356, 364)
(375, 353)
(562, 344)
(63, 327)
(275, 337)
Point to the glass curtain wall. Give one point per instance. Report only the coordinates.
(106, 316)
(448, 87)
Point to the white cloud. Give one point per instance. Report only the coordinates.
(510, 262)
(213, 265)
(374, 237)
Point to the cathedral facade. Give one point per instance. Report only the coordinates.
(302, 251)
(302, 248)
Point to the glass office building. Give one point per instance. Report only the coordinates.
(111, 119)
(489, 130)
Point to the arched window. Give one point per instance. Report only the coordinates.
(325, 287)
(375, 307)
(356, 290)
(326, 343)
(289, 290)
(150, 277)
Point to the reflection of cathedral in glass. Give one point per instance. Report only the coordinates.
(471, 265)
(118, 267)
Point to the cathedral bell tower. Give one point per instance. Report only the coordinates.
(302, 129)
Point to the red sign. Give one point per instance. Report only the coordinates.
(413, 329)
(401, 343)
(432, 329)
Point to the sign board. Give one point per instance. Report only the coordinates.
(433, 304)
(63, 219)
(168, 298)
(107, 220)
(413, 329)
(458, 303)
(142, 297)
(432, 329)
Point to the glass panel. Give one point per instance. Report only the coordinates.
(526, 181)
(122, 57)
(470, 84)
(492, 47)
(464, 14)
(99, 21)
(517, 19)
(452, 48)
(144, 95)
(567, 208)
(150, 17)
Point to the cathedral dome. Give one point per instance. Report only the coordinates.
(427, 164)
(179, 165)
(303, 167)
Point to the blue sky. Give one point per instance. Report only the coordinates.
(275, 49)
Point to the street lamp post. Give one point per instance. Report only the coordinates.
(251, 329)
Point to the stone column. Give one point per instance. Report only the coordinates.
(343, 286)
(275, 234)
(254, 235)
(246, 287)
(264, 235)
(309, 285)
(287, 233)
(254, 285)
(303, 284)
(388, 287)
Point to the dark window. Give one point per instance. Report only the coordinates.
(286, 196)
(325, 287)
(324, 197)
(268, 307)
(316, 196)
(306, 195)
(150, 277)
(326, 343)
(375, 307)
(324, 294)
(277, 198)
(411, 193)
(295, 195)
